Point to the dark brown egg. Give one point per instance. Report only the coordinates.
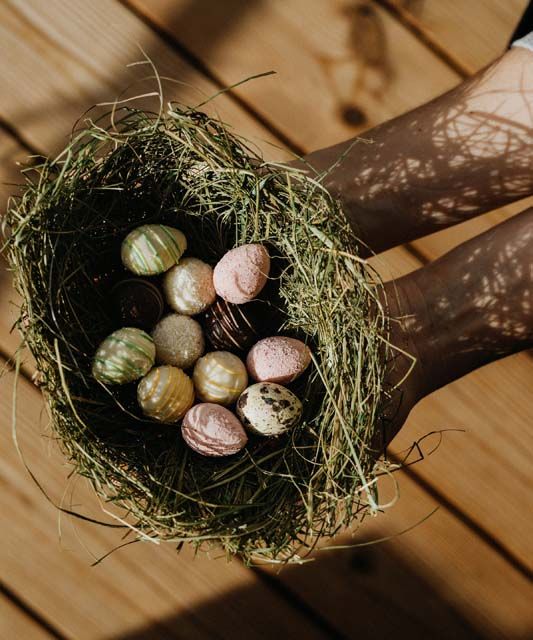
(137, 303)
(235, 327)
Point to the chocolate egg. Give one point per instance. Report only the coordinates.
(219, 377)
(178, 340)
(189, 286)
(268, 409)
(124, 356)
(165, 394)
(278, 359)
(152, 248)
(233, 327)
(213, 430)
(137, 303)
(241, 274)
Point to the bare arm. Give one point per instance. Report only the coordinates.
(460, 155)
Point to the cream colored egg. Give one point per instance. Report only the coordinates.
(189, 287)
(165, 394)
(219, 377)
(124, 356)
(179, 341)
(152, 248)
(268, 409)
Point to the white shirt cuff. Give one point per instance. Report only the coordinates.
(526, 42)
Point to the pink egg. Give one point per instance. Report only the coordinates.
(213, 430)
(278, 359)
(242, 273)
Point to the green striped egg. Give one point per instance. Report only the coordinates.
(152, 249)
(124, 356)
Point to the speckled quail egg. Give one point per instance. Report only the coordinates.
(268, 409)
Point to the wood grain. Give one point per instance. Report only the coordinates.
(15, 623)
(475, 33)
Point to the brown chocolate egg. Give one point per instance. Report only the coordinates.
(136, 303)
(233, 327)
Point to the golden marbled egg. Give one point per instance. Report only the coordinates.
(220, 377)
(165, 394)
(152, 248)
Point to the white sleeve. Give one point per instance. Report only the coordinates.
(526, 42)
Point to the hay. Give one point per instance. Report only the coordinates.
(274, 500)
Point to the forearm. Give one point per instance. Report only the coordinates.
(464, 153)
(472, 306)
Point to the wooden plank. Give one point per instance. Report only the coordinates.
(15, 623)
(438, 580)
(474, 33)
(46, 558)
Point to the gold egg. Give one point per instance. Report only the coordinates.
(165, 394)
(220, 377)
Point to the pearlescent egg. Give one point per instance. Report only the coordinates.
(219, 377)
(152, 248)
(165, 394)
(268, 409)
(241, 274)
(278, 359)
(213, 430)
(189, 286)
(179, 341)
(124, 356)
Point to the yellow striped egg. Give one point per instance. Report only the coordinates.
(165, 394)
(219, 377)
(152, 249)
(124, 356)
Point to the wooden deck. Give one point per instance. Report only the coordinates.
(342, 67)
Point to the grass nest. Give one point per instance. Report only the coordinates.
(275, 499)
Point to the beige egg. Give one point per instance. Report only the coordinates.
(124, 356)
(165, 394)
(219, 377)
(179, 341)
(189, 286)
(268, 409)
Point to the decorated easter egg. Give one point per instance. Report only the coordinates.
(268, 409)
(278, 359)
(124, 356)
(152, 248)
(189, 286)
(241, 274)
(137, 303)
(165, 394)
(178, 340)
(213, 430)
(233, 327)
(219, 377)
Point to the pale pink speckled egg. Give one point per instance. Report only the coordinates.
(213, 430)
(278, 359)
(242, 273)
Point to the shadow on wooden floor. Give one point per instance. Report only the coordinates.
(389, 599)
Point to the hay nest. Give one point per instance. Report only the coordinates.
(275, 499)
